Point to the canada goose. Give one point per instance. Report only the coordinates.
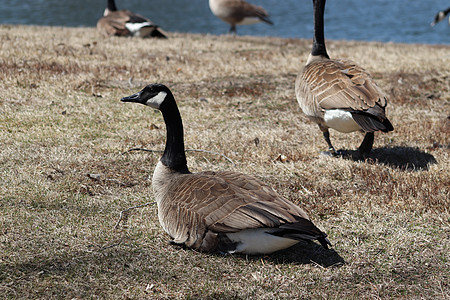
(338, 93)
(218, 211)
(441, 16)
(238, 12)
(126, 23)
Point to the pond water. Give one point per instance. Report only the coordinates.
(403, 21)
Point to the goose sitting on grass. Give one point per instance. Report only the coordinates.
(126, 23)
(339, 94)
(210, 211)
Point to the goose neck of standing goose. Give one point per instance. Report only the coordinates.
(112, 5)
(174, 156)
(318, 48)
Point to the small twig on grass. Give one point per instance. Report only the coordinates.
(317, 264)
(111, 245)
(124, 213)
(190, 150)
(141, 149)
(58, 170)
(98, 177)
(120, 183)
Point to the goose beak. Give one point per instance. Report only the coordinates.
(133, 98)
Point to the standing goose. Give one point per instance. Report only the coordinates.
(238, 12)
(218, 211)
(339, 94)
(126, 23)
(441, 16)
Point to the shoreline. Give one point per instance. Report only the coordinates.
(255, 36)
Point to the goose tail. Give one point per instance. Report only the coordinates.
(303, 230)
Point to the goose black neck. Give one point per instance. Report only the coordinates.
(318, 48)
(112, 5)
(174, 156)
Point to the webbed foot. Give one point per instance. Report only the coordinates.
(334, 153)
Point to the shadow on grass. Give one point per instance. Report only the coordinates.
(82, 274)
(102, 273)
(305, 253)
(403, 158)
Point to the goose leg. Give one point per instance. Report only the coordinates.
(233, 29)
(326, 136)
(366, 145)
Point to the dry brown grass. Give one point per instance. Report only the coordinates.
(61, 119)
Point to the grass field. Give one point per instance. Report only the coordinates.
(66, 174)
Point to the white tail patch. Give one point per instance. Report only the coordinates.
(155, 102)
(259, 241)
(135, 28)
(340, 120)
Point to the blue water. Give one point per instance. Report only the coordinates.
(404, 21)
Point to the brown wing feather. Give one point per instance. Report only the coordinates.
(108, 26)
(332, 84)
(238, 10)
(251, 10)
(221, 202)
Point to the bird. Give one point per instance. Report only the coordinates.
(126, 23)
(339, 94)
(218, 211)
(441, 16)
(238, 12)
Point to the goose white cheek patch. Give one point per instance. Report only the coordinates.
(156, 101)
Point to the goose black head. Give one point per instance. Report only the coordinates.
(152, 95)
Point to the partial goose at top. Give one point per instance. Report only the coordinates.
(238, 12)
(339, 94)
(210, 211)
(126, 23)
(441, 16)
